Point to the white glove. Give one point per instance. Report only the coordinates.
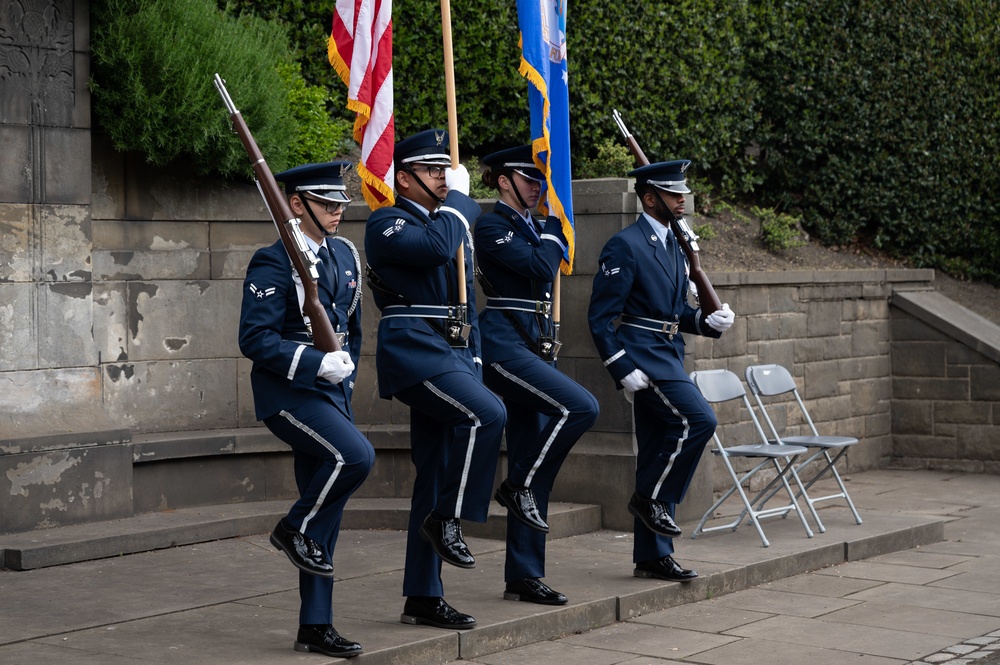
(635, 380)
(457, 179)
(721, 319)
(336, 366)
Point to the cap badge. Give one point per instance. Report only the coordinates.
(684, 166)
(439, 137)
(344, 168)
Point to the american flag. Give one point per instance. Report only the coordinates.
(360, 50)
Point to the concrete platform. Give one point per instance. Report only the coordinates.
(235, 600)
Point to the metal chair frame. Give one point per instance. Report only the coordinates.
(722, 386)
(775, 380)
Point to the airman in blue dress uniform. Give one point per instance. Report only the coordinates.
(303, 395)
(428, 358)
(547, 412)
(642, 285)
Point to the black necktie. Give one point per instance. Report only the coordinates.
(326, 267)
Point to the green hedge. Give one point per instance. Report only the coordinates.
(875, 121)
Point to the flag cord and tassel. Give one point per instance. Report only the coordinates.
(449, 89)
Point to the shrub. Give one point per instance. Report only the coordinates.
(319, 138)
(614, 160)
(778, 231)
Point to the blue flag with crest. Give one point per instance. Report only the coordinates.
(543, 63)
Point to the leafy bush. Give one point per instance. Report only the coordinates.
(153, 66)
(778, 231)
(614, 160)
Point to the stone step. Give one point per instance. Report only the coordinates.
(170, 528)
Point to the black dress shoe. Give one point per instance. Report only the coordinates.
(654, 515)
(522, 506)
(434, 612)
(302, 550)
(533, 590)
(327, 641)
(445, 536)
(664, 569)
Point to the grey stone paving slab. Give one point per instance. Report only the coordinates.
(956, 624)
(35, 653)
(880, 572)
(985, 603)
(814, 584)
(553, 653)
(647, 640)
(781, 602)
(922, 558)
(976, 580)
(856, 639)
(765, 652)
(708, 616)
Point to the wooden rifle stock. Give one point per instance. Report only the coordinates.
(688, 241)
(302, 258)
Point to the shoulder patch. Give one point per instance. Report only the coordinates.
(260, 293)
(608, 272)
(395, 228)
(505, 239)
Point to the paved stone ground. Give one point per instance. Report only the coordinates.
(799, 601)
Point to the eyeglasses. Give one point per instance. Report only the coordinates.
(432, 171)
(330, 207)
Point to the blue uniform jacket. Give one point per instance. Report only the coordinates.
(273, 334)
(639, 277)
(516, 265)
(414, 256)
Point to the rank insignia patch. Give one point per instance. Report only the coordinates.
(260, 294)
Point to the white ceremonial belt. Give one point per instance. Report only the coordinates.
(520, 305)
(655, 325)
(420, 311)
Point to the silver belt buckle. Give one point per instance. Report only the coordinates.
(543, 307)
(670, 327)
(341, 338)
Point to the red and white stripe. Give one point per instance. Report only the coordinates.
(360, 50)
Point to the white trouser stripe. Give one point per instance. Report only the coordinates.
(471, 446)
(333, 476)
(555, 431)
(680, 441)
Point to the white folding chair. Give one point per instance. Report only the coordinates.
(721, 385)
(775, 380)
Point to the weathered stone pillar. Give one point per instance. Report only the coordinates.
(51, 384)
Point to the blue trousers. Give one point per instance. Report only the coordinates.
(455, 429)
(547, 412)
(673, 424)
(332, 458)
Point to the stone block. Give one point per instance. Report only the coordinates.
(824, 318)
(778, 352)
(837, 347)
(924, 447)
(65, 167)
(829, 409)
(16, 181)
(65, 325)
(912, 417)
(151, 251)
(171, 396)
(367, 406)
(245, 415)
(60, 487)
(966, 413)
(110, 321)
(877, 424)
(200, 481)
(65, 250)
(851, 369)
(107, 179)
(753, 300)
(171, 320)
(865, 338)
(783, 300)
(930, 388)
(837, 291)
(616, 414)
(868, 397)
(821, 380)
(233, 245)
(18, 327)
(960, 354)
(984, 383)
(43, 402)
(979, 442)
(864, 310)
(906, 328)
(912, 358)
(18, 241)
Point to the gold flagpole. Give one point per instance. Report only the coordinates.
(449, 88)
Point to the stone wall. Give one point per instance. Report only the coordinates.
(945, 386)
